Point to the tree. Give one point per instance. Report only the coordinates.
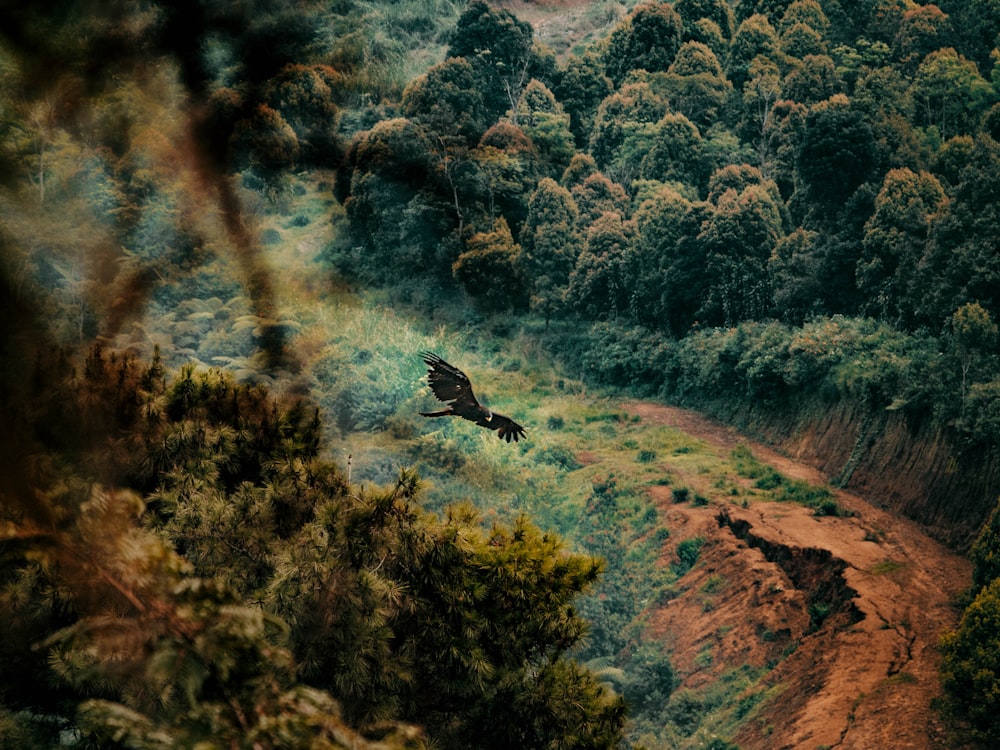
(718, 12)
(543, 120)
(976, 25)
(800, 40)
(264, 142)
(796, 283)
(961, 254)
(304, 95)
(598, 195)
(808, 12)
(647, 39)
(504, 171)
(500, 48)
(597, 286)
(397, 203)
(991, 121)
(924, 29)
(738, 240)
(635, 104)
(780, 139)
(836, 151)
(448, 101)
(812, 80)
(952, 158)
(213, 580)
(760, 93)
(581, 166)
(549, 240)
(581, 89)
(974, 337)
(695, 84)
(754, 37)
(490, 269)
(950, 93)
(894, 244)
(672, 152)
(666, 269)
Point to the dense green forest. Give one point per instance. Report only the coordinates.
(222, 522)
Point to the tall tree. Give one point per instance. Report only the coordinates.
(448, 101)
(836, 151)
(718, 12)
(754, 37)
(894, 244)
(738, 240)
(924, 29)
(500, 47)
(949, 92)
(597, 195)
(547, 125)
(597, 284)
(812, 80)
(672, 150)
(696, 86)
(647, 39)
(581, 89)
(550, 240)
(667, 266)
(505, 169)
(490, 269)
(974, 337)
(633, 105)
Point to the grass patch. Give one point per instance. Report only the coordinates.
(782, 489)
(886, 567)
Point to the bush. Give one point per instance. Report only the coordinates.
(970, 666)
(558, 455)
(688, 551)
(985, 552)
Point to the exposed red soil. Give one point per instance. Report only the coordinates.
(866, 675)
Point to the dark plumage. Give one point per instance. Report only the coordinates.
(453, 387)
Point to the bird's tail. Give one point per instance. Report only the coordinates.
(442, 413)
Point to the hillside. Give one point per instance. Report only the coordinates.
(226, 237)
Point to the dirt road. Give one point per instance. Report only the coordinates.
(850, 608)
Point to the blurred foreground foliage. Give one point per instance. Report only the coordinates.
(179, 567)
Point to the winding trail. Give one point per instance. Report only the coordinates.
(867, 676)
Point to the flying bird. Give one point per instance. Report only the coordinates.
(453, 387)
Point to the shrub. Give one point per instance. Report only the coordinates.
(985, 552)
(970, 666)
(558, 455)
(688, 551)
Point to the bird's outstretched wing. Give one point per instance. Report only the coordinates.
(507, 429)
(452, 386)
(448, 383)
